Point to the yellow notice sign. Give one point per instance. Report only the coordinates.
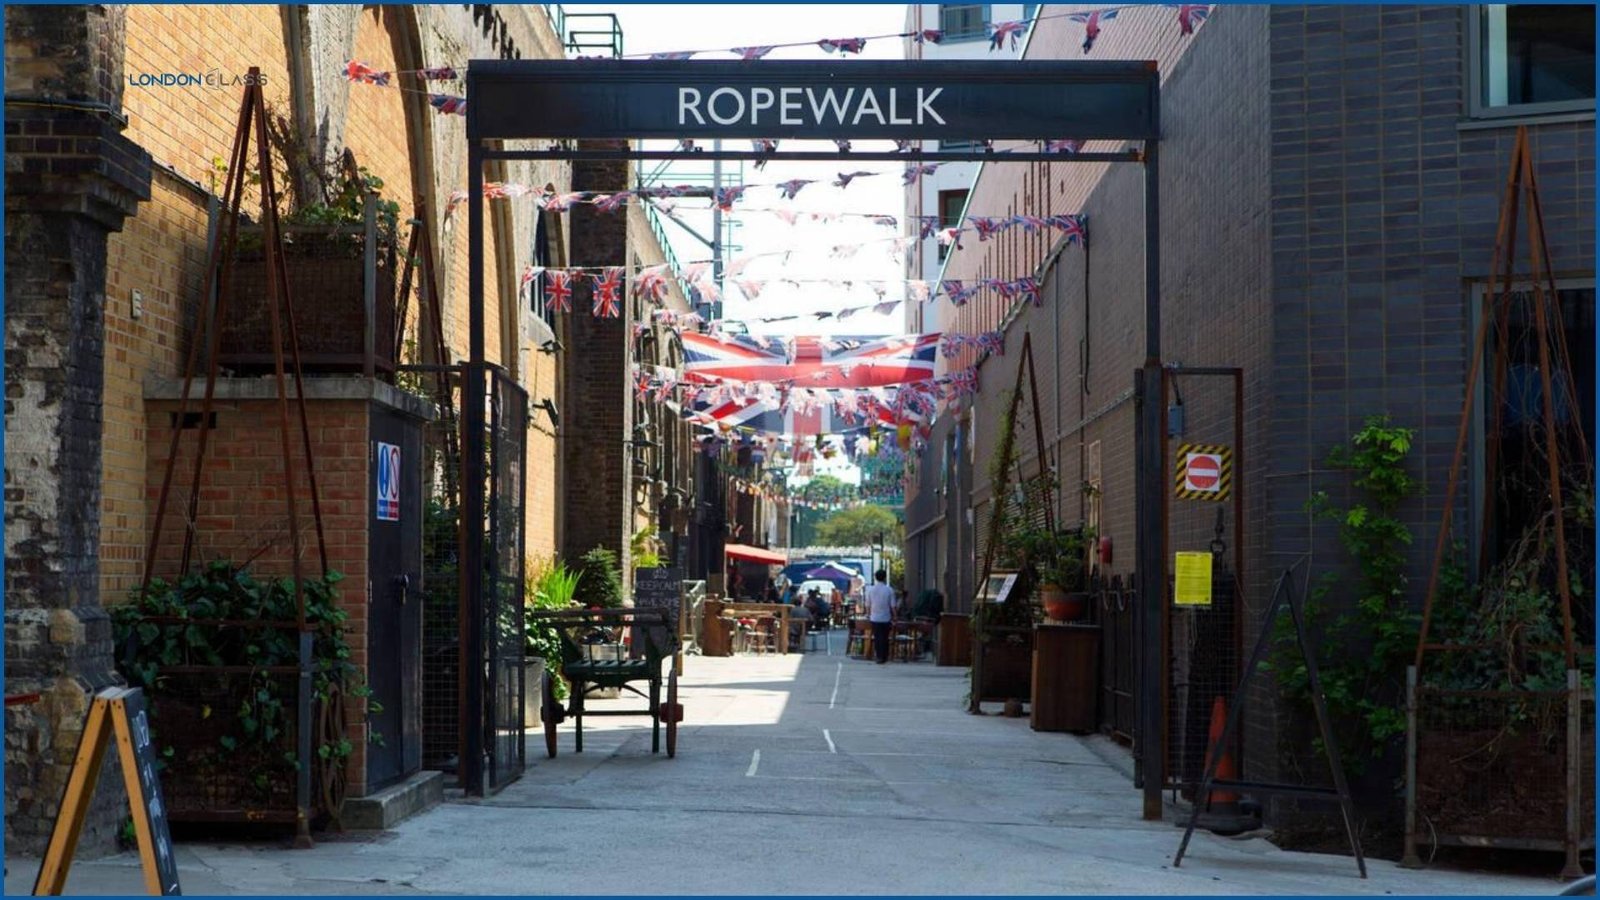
(1192, 583)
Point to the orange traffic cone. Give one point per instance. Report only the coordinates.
(1222, 814)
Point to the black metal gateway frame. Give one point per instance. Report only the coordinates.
(571, 101)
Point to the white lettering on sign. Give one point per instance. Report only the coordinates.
(837, 106)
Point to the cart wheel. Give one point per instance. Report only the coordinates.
(674, 713)
(550, 711)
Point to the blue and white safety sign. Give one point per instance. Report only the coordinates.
(388, 492)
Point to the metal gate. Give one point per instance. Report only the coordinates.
(448, 735)
(507, 442)
(1204, 516)
(1117, 603)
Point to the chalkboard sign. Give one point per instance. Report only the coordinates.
(659, 589)
(119, 711)
(149, 803)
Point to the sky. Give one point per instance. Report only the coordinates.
(650, 28)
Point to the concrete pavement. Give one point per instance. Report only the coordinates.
(811, 774)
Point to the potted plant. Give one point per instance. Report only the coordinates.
(1057, 560)
(324, 245)
(599, 574)
(552, 586)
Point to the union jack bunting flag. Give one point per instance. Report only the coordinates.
(608, 293)
(651, 284)
(752, 52)
(955, 291)
(1003, 30)
(843, 45)
(673, 55)
(562, 202)
(841, 362)
(993, 341)
(642, 385)
(913, 173)
(928, 36)
(926, 226)
(846, 177)
(1190, 15)
(361, 72)
(558, 290)
(611, 202)
(987, 226)
(1030, 223)
(438, 73)
(1066, 145)
(792, 187)
(448, 105)
(1075, 227)
(1091, 24)
(726, 197)
(1028, 288)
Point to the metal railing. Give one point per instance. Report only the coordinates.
(599, 32)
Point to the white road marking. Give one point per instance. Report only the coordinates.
(836, 673)
(829, 738)
(755, 760)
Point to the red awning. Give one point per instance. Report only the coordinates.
(755, 554)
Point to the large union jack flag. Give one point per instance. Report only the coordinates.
(816, 362)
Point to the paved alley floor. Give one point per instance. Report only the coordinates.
(811, 774)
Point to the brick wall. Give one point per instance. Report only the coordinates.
(242, 515)
(74, 177)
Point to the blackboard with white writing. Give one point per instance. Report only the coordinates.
(150, 804)
(658, 589)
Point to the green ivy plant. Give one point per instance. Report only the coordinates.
(1366, 643)
(252, 732)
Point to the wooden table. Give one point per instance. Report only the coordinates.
(779, 611)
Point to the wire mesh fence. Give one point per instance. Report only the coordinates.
(1494, 765)
(1203, 626)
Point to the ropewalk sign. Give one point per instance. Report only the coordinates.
(907, 99)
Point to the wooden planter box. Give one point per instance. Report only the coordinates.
(955, 639)
(327, 269)
(1005, 664)
(1066, 668)
(1497, 769)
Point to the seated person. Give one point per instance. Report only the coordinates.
(799, 618)
(820, 612)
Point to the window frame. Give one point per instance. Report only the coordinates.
(1478, 295)
(939, 210)
(982, 34)
(1477, 107)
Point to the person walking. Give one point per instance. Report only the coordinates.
(880, 613)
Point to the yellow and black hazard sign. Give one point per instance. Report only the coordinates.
(1204, 472)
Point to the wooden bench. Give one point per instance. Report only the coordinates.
(654, 633)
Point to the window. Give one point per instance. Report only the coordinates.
(1530, 59)
(963, 146)
(1513, 376)
(951, 204)
(541, 257)
(964, 22)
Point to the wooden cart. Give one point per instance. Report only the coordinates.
(654, 633)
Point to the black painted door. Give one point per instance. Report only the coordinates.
(394, 613)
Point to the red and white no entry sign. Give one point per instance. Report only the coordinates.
(1203, 472)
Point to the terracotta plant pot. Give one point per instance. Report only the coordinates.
(1061, 605)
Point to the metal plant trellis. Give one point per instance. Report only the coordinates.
(577, 101)
(219, 264)
(1476, 723)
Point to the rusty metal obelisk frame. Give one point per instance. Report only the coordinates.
(1555, 377)
(219, 266)
(1008, 445)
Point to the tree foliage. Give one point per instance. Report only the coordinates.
(860, 527)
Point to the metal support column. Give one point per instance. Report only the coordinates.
(1150, 506)
(473, 399)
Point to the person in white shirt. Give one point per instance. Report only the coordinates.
(880, 613)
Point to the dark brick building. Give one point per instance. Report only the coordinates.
(1331, 178)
